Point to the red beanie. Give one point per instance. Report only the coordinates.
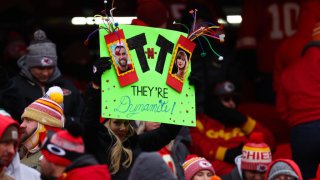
(8, 129)
(256, 154)
(62, 148)
(152, 12)
(194, 164)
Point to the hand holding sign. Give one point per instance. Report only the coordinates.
(149, 97)
(101, 65)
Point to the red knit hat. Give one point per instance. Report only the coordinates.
(152, 12)
(256, 154)
(194, 164)
(9, 132)
(8, 129)
(64, 146)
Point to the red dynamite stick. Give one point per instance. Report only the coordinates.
(187, 46)
(130, 76)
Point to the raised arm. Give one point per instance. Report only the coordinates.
(158, 138)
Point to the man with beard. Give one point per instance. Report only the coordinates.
(39, 117)
(122, 59)
(39, 71)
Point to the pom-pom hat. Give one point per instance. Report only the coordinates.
(65, 146)
(47, 110)
(256, 154)
(194, 164)
(41, 51)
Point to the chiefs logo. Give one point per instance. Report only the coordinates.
(262, 168)
(204, 164)
(46, 61)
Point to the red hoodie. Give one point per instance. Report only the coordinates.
(290, 162)
(6, 121)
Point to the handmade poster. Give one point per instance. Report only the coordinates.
(149, 98)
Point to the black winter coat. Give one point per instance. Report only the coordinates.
(99, 142)
(73, 100)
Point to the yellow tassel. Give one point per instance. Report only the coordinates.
(57, 97)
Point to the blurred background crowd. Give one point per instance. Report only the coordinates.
(266, 82)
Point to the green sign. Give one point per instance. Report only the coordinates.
(141, 92)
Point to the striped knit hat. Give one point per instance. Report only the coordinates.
(47, 110)
(256, 154)
(194, 164)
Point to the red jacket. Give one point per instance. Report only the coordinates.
(298, 98)
(211, 139)
(97, 172)
(291, 163)
(265, 24)
(290, 50)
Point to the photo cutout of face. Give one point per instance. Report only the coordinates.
(180, 65)
(122, 59)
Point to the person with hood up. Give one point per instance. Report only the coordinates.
(281, 169)
(39, 71)
(175, 153)
(10, 166)
(150, 165)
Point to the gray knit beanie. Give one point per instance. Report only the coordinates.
(41, 51)
(281, 168)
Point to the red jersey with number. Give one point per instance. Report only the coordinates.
(290, 50)
(265, 24)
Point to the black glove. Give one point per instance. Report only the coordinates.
(223, 114)
(101, 65)
(195, 81)
(232, 153)
(4, 78)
